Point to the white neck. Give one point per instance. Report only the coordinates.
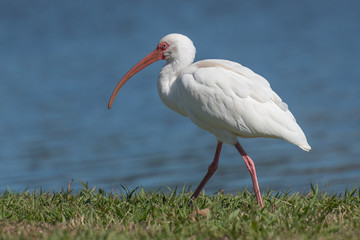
(168, 85)
(179, 55)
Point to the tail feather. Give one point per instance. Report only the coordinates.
(305, 147)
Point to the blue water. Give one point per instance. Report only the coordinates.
(60, 61)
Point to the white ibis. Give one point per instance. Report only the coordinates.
(220, 96)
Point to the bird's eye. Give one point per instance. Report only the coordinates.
(163, 46)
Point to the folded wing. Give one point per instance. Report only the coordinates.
(227, 98)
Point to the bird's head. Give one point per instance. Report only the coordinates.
(174, 48)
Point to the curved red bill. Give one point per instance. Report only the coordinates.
(154, 56)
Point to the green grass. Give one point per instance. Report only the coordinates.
(136, 214)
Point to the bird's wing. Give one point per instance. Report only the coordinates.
(263, 91)
(224, 95)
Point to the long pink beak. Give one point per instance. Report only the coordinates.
(154, 56)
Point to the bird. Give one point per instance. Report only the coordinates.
(223, 97)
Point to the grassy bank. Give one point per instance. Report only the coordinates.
(136, 214)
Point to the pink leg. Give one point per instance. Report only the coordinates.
(251, 167)
(211, 170)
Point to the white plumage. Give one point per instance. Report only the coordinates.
(220, 96)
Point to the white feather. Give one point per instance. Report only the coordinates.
(224, 97)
